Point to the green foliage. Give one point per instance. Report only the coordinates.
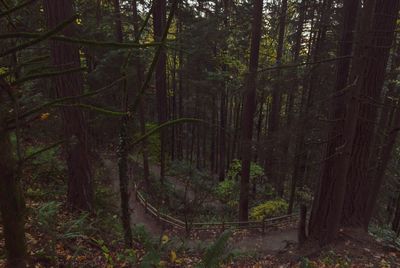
(154, 249)
(128, 256)
(141, 235)
(385, 235)
(105, 251)
(236, 167)
(47, 216)
(306, 263)
(304, 195)
(331, 259)
(217, 252)
(151, 259)
(273, 208)
(46, 166)
(269, 191)
(228, 192)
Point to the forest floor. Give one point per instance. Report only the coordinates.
(278, 248)
(59, 238)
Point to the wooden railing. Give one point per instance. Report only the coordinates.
(262, 225)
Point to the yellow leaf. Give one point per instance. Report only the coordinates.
(164, 239)
(44, 116)
(173, 256)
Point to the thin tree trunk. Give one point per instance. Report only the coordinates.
(222, 136)
(123, 143)
(140, 75)
(396, 219)
(273, 171)
(296, 56)
(159, 14)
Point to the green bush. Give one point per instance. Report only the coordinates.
(46, 166)
(228, 192)
(273, 208)
(217, 252)
(304, 195)
(236, 167)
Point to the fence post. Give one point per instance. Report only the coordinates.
(302, 234)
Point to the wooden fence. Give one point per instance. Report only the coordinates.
(262, 225)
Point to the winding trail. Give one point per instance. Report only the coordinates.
(272, 241)
(138, 214)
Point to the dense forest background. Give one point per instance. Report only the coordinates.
(205, 113)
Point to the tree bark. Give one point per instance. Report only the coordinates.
(328, 205)
(296, 56)
(12, 203)
(222, 136)
(360, 193)
(274, 156)
(159, 21)
(64, 56)
(123, 143)
(140, 75)
(249, 101)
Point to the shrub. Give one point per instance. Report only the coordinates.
(273, 208)
(217, 252)
(304, 195)
(236, 167)
(228, 191)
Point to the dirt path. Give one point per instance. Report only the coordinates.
(138, 214)
(270, 242)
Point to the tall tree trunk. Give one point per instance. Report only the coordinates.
(259, 126)
(180, 89)
(249, 101)
(159, 14)
(222, 135)
(64, 56)
(385, 132)
(140, 75)
(123, 143)
(328, 206)
(119, 36)
(273, 171)
(295, 87)
(238, 108)
(12, 203)
(360, 193)
(212, 137)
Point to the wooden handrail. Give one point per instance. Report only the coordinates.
(165, 218)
